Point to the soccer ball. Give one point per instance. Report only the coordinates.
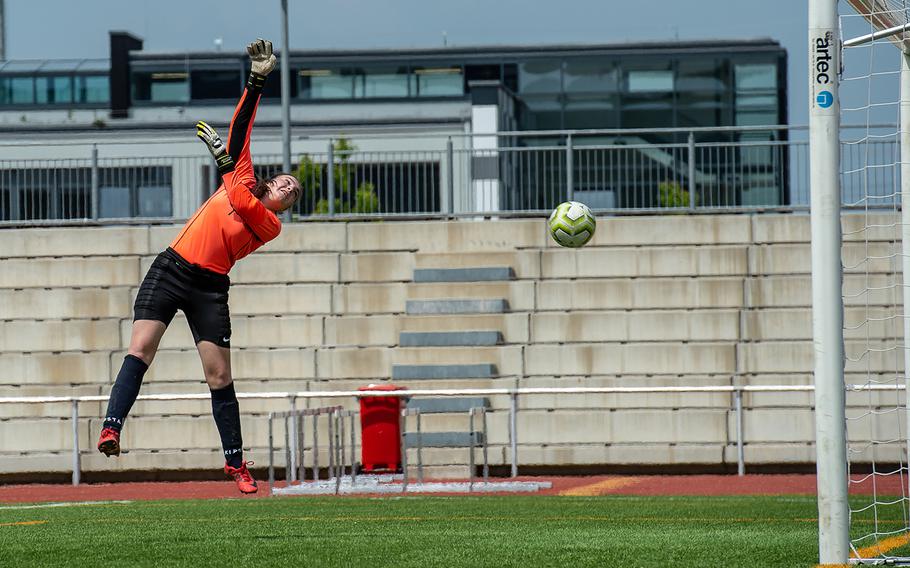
(572, 224)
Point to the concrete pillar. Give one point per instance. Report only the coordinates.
(486, 183)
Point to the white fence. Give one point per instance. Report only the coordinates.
(513, 394)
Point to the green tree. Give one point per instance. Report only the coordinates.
(362, 199)
(671, 195)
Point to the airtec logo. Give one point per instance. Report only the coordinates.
(823, 68)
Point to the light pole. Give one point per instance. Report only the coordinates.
(2, 33)
(285, 95)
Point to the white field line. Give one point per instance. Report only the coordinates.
(62, 504)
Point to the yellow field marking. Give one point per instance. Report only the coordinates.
(882, 546)
(22, 523)
(600, 487)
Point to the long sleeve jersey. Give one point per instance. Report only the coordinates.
(232, 223)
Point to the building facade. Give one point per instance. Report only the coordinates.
(641, 107)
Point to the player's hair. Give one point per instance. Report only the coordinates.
(262, 184)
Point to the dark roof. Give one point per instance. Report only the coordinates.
(54, 65)
(503, 51)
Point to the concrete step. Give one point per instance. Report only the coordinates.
(456, 306)
(384, 329)
(447, 404)
(443, 439)
(634, 358)
(74, 241)
(295, 237)
(520, 294)
(643, 293)
(70, 272)
(525, 263)
(483, 274)
(377, 266)
(376, 362)
(779, 258)
(247, 332)
(60, 335)
(796, 290)
(281, 299)
(184, 364)
(455, 236)
(449, 338)
(59, 303)
(652, 261)
(772, 324)
(475, 371)
(640, 325)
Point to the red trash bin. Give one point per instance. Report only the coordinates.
(380, 431)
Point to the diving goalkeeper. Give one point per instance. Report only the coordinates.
(192, 274)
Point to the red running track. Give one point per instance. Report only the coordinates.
(595, 485)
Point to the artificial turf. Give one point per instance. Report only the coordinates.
(418, 531)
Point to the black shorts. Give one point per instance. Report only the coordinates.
(173, 284)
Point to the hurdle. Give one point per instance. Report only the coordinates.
(340, 445)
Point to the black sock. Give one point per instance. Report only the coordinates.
(227, 417)
(124, 391)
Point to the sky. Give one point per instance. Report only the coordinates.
(58, 29)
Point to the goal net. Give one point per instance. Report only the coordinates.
(859, 70)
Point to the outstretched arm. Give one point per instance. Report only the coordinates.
(262, 222)
(262, 62)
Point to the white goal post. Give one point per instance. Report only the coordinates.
(885, 26)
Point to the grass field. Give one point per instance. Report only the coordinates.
(417, 531)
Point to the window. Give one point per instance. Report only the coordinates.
(326, 84)
(54, 90)
(45, 193)
(93, 89)
(209, 85)
(701, 109)
(590, 76)
(17, 90)
(139, 191)
(161, 86)
(756, 94)
(510, 76)
(439, 81)
(377, 83)
(756, 76)
(540, 77)
(154, 200)
(114, 202)
(705, 75)
(540, 112)
(591, 111)
(651, 81)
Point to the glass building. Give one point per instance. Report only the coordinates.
(631, 94)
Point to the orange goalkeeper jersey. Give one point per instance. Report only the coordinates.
(232, 223)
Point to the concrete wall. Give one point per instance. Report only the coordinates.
(652, 301)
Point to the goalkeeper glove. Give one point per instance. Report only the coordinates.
(262, 61)
(213, 142)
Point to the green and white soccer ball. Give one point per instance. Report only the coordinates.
(572, 224)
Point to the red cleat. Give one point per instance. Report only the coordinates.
(109, 443)
(241, 475)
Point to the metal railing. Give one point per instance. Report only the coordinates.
(736, 392)
(507, 173)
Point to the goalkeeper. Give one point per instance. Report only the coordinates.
(192, 275)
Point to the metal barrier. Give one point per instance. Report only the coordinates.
(613, 171)
(476, 438)
(735, 391)
(296, 449)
